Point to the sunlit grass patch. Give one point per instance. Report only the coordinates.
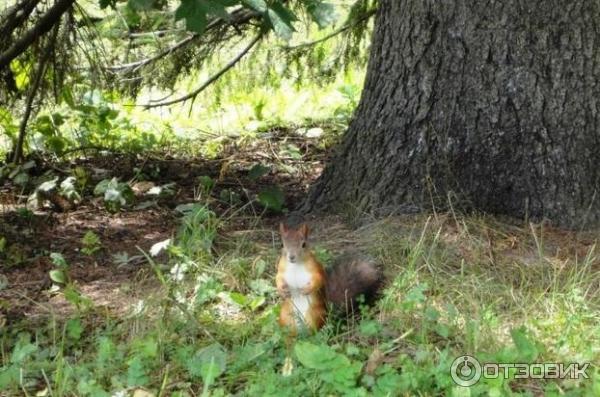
(469, 284)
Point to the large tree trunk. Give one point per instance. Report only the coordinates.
(491, 105)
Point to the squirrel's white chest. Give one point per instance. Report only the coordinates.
(297, 277)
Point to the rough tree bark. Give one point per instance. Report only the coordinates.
(494, 104)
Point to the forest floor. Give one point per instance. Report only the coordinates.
(500, 289)
(32, 235)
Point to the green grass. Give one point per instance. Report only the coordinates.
(207, 323)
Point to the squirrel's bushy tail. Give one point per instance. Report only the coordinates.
(351, 277)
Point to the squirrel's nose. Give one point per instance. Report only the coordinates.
(292, 258)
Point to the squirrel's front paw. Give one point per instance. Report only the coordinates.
(284, 292)
(307, 290)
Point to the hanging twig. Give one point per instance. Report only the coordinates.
(192, 95)
(238, 17)
(332, 34)
(133, 66)
(39, 74)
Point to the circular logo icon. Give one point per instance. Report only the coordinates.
(465, 371)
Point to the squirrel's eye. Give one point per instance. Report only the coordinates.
(304, 244)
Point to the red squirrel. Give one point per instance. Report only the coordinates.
(306, 287)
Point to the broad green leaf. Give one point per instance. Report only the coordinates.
(90, 387)
(206, 182)
(21, 351)
(388, 382)
(322, 13)
(45, 126)
(285, 13)
(57, 259)
(319, 357)
(162, 191)
(238, 298)
(194, 12)
(333, 368)
(58, 276)
(29, 165)
(525, 346)
(114, 195)
(126, 192)
(208, 363)
(343, 378)
(69, 190)
(21, 73)
(281, 20)
(106, 3)
(369, 327)
(209, 372)
(21, 178)
(67, 93)
(157, 248)
(73, 296)
(432, 314)
(101, 187)
(415, 296)
(272, 198)
(58, 119)
(186, 208)
(257, 5)
(442, 330)
(74, 328)
(56, 144)
(248, 354)
(48, 185)
(230, 196)
(257, 302)
(217, 8)
(9, 377)
(257, 171)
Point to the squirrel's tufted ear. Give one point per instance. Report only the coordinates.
(304, 230)
(282, 228)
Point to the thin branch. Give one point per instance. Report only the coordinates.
(239, 16)
(133, 66)
(192, 95)
(332, 34)
(158, 33)
(44, 24)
